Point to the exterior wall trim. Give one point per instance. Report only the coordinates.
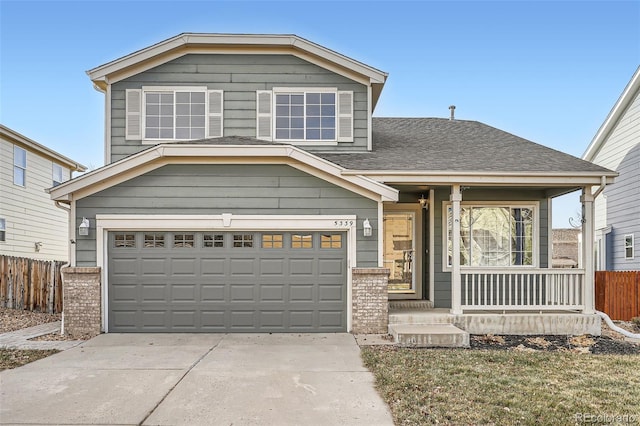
(226, 222)
(163, 154)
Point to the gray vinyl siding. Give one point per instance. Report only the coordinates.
(237, 189)
(442, 278)
(623, 211)
(239, 76)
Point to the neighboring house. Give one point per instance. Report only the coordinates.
(31, 225)
(248, 187)
(566, 248)
(616, 146)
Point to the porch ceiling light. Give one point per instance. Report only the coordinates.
(424, 202)
(83, 229)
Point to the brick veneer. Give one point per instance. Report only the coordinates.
(370, 300)
(81, 301)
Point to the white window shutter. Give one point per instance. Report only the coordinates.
(345, 116)
(264, 120)
(215, 114)
(133, 120)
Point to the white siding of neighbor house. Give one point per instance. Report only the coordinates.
(30, 214)
(620, 141)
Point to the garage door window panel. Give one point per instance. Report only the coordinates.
(331, 241)
(125, 241)
(302, 241)
(213, 241)
(183, 240)
(272, 241)
(153, 240)
(242, 240)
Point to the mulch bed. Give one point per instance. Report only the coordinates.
(600, 345)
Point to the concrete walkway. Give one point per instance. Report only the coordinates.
(197, 379)
(19, 339)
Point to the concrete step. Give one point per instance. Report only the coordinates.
(418, 316)
(429, 335)
(411, 304)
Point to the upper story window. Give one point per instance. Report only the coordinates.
(3, 230)
(628, 246)
(173, 113)
(305, 115)
(57, 175)
(19, 166)
(494, 235)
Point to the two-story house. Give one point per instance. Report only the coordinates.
(616, 146)
(250, 188)
(31, 224)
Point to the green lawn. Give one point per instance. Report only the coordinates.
(471, 387)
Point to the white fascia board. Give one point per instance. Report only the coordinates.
(161, 155)
(494, 178)
(209, 42)
(18, 139)
(625, 99)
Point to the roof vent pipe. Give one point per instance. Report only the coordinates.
(452, 108)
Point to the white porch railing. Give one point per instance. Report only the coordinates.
(538, 289)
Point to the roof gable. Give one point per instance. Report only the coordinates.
(17, 138)
(624, 101)
(198, 43)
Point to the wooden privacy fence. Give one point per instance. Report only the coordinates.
(35, 285)
(618, 294)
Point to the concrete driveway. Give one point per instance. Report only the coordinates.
(197, 379)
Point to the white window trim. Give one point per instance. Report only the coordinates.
(305, 90)
(223, 222)
(143, 110)
(24, 169)
(633, 251)
(534, 205)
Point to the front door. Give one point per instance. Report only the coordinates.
(401, 253)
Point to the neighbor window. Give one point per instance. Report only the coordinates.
(19, 166)
(3, 230)
(57, 176)
(494, 235)
(628, 246)
(173, 113)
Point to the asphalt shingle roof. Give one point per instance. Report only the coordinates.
(438, 144)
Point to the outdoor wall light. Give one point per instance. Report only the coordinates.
(367, 228)
(424, 202)
(83, 229)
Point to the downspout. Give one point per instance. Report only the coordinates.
(615, 328)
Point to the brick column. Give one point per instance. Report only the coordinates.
(370, 301)
(81, 298)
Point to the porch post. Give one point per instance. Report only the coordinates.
(456, 302)
(587, 250)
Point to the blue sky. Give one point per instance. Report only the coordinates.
(548, 71)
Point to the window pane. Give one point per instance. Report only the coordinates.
(19, 176)
(183, 240)
(313, 98)
(301, 241)
(19, 157)
(57, 174)
(197, 133)
(243, 240)
(329, 98)
(213, 240)
(154, 240)
(125, 241)
(333, 241)
(272, 241)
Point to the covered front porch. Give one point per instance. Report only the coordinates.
(449, 264)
